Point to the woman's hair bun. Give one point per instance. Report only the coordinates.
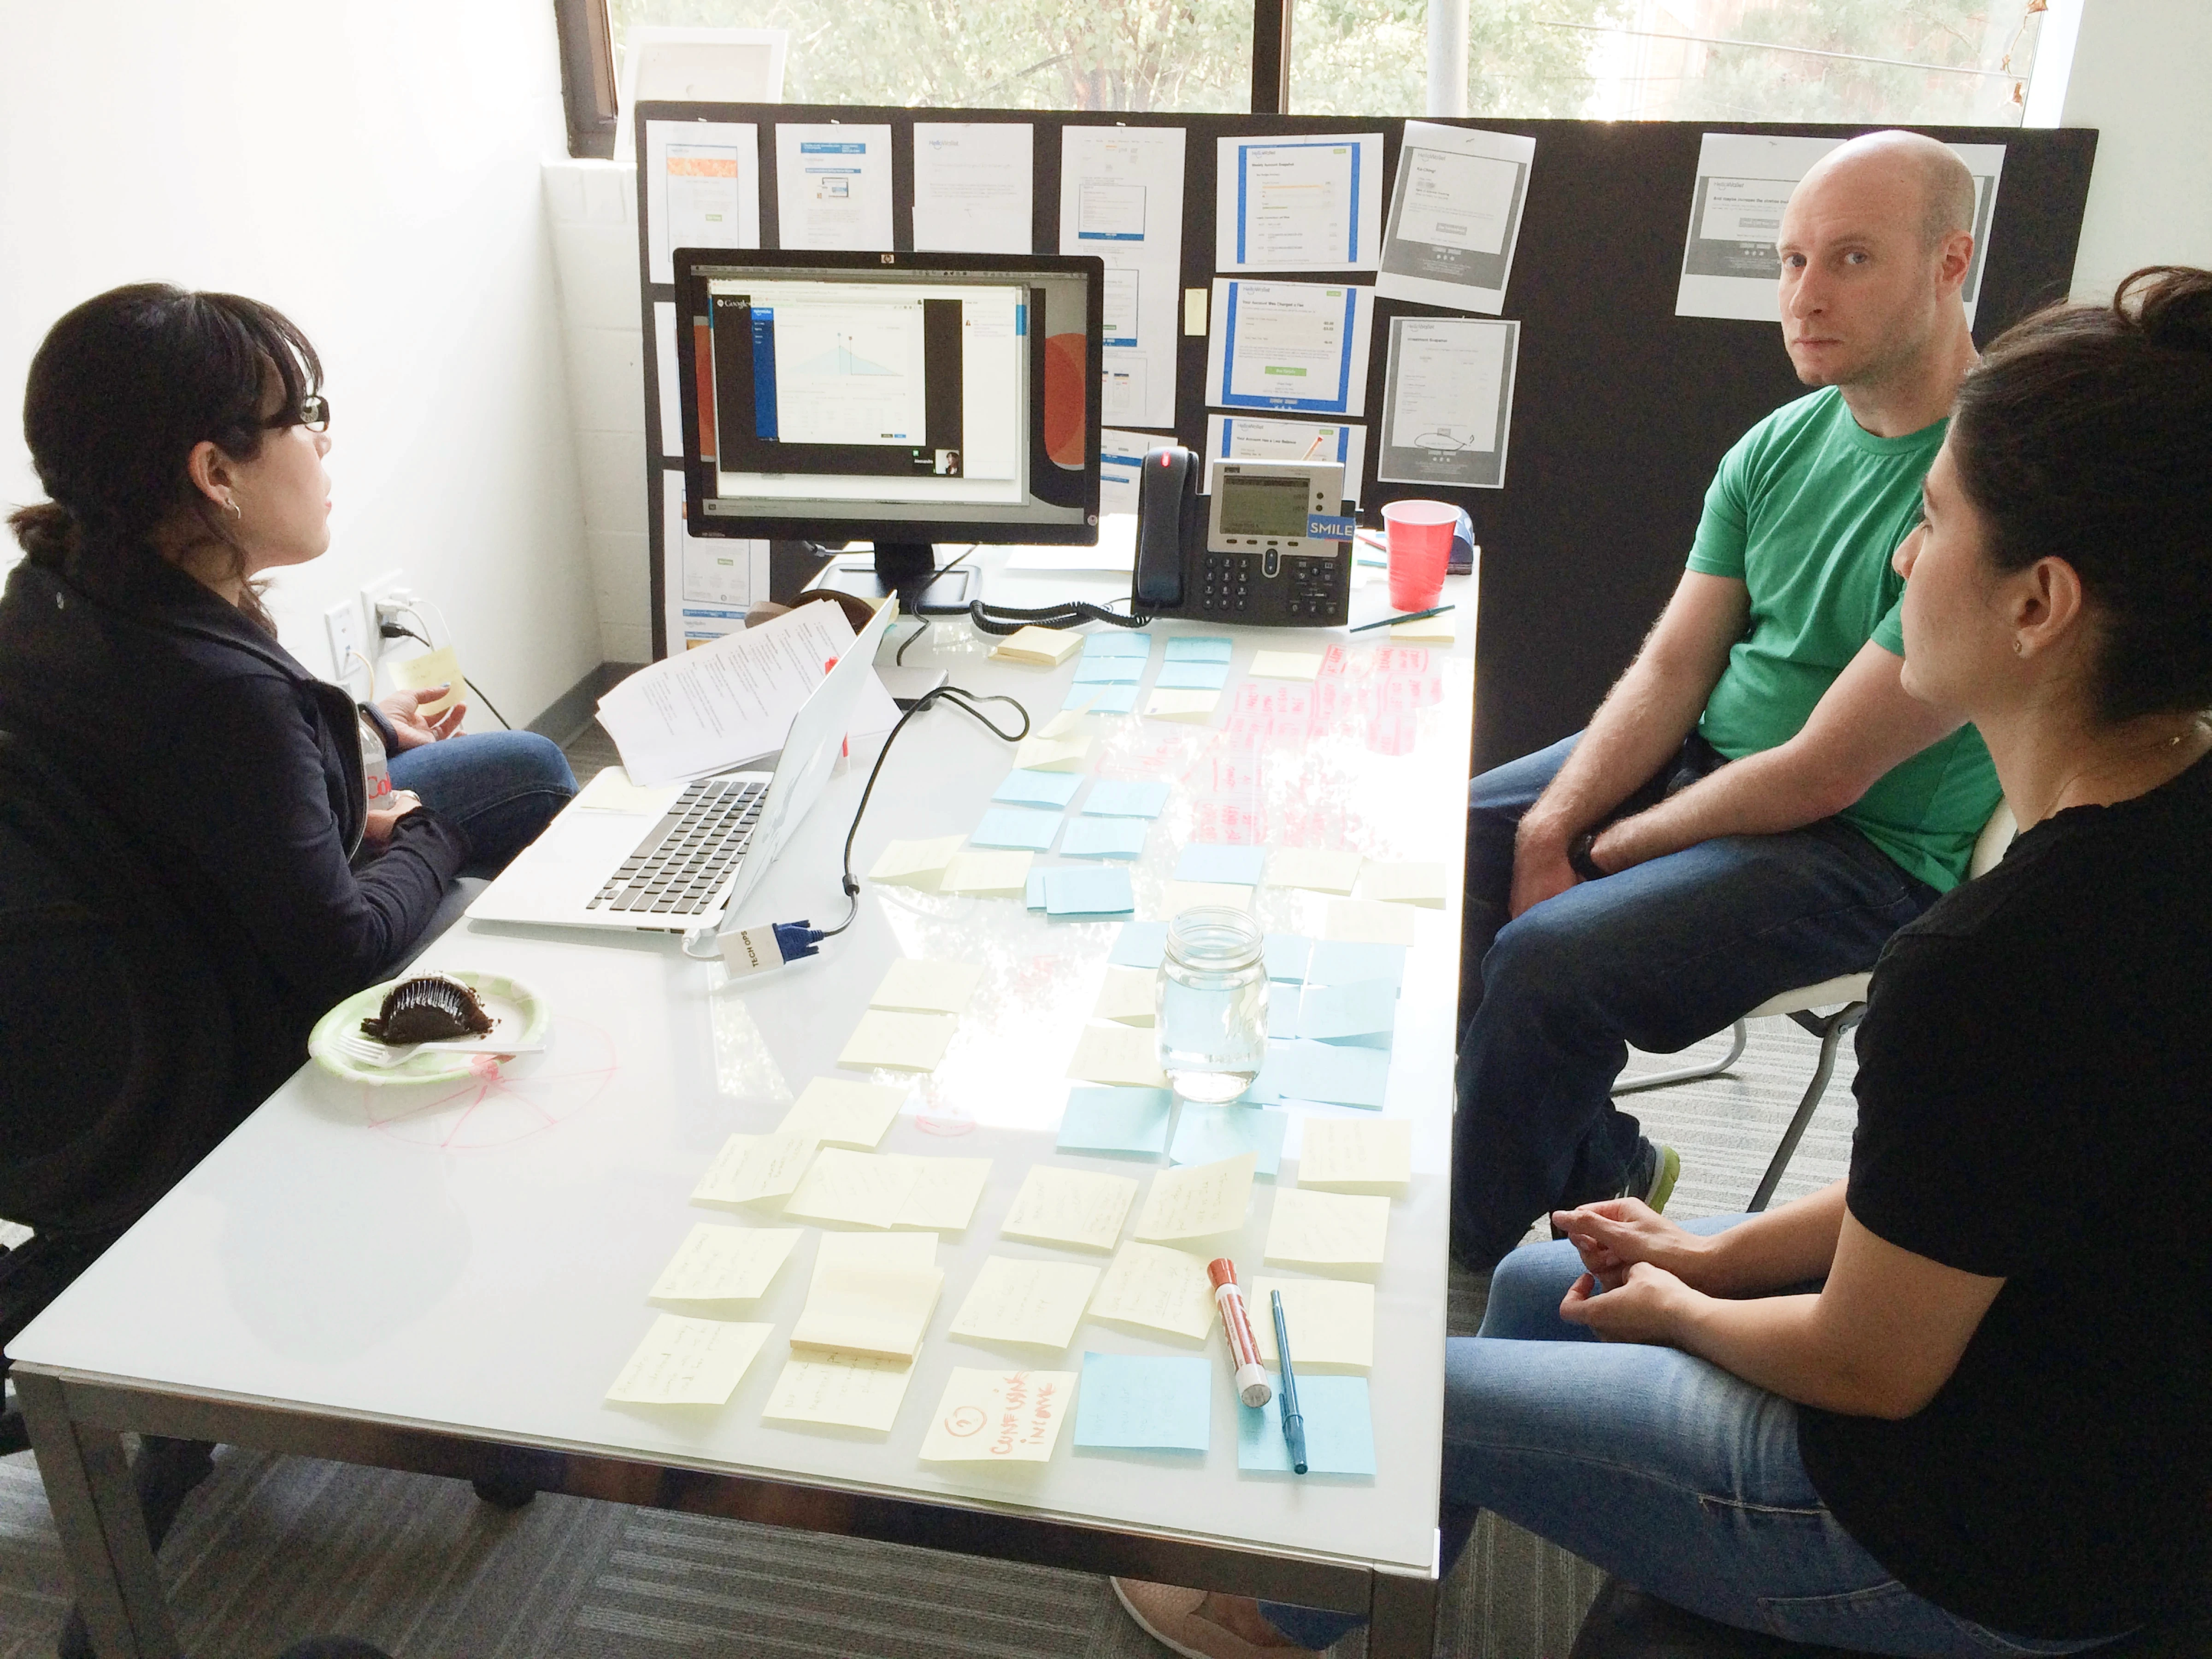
(2170, 305)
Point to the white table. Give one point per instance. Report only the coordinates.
(451, 1288)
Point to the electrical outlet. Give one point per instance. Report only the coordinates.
(343, 623)
(384, 588)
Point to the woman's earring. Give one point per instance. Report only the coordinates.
(2015, 648)
(230, 505)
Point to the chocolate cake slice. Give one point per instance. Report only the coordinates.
(428, 1009)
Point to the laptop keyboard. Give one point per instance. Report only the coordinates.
(686, 858)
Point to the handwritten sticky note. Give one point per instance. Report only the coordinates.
(1204, 861)
(1442, 629)
(1037, 789)
(1036, 1303)
(918, 864)
(838, 1112)
(611, 791)
(1171, 705)
(1201, 647)
(860, 1189)
(1342, 962)
(1139, 944)
(750, 1169)
(844, 1390)
(945, 1193)
(1309, 867)
(1286, 955)
(1181, 895)
(1110, 670)
(899, 1041)
(1118, 1054)
(1207, 1134)
(919, 985)
(998, 1417)
(1039, 753)
(725, 1264)
(1368, 921)
(1128, 995)
(1071, 1206)
(1197, 1200)
(881, 1311)
(1045, 647)
(1425, 885)
(1353, 1155)
(1364, 1010)
(1011, 826)
(1116, 1120)
(989, 873)
(691, 1362)
(1160, 1289)
(1331, 1322)
(1192, 676)
(1341, 1074)
(1329, 1233)
(892, 1252)
(1119, 643)
(1159, 1402)
(1284, 664)
(1127, 798)
(1104, 838)
(1338, 1429)
(427, 672)
(1102, 699)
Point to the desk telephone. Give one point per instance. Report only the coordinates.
(1265, 547)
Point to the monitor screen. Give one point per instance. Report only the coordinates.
(903, 397)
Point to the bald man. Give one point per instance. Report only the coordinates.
(1757, 804)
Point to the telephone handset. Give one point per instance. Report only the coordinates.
(1264, 547)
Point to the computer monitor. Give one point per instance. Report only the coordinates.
(903, 399)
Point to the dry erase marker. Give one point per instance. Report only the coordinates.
(1294, 1422)
(1243, 1349)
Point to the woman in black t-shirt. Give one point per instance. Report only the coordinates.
(1986, 1432)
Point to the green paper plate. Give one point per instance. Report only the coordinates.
(521, 1014)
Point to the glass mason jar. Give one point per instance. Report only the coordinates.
(1212, 1003)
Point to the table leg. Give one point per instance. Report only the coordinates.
(111, 1564)
(1402, 1616)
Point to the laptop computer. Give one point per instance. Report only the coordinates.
(679, 856)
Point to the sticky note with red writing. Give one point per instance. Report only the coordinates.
(998, 1417)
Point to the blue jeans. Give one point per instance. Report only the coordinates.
(1664, 1470)
(499, 789)
(1658, 956)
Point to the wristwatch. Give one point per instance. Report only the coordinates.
(1579, 859)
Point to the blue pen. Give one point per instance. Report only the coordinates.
(1294, 1423)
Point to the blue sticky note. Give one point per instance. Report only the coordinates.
(1139, 944)
(1205, 1134)
(1033, 892)
(1102, 699)
(1282, 1010)
(1104, 838)
(1365, 1008)
(1119, 643)
(1206, 647)
(1192, 677)
(1285, 954)
(1240, 865)
(1340, 1427)
(1089, 893)
(1027, 788)
(1004, 826)
(1119, 1120)
(1155, 1402)
(1112, 671)
(1341, 962)
(1120, 798)
(1340, 1074)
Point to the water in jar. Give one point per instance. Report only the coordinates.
(1212, 1003)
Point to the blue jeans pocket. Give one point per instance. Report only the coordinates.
(1848, 1619)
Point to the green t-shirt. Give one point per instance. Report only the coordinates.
(1805, 512)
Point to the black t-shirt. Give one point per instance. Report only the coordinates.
(2035, 1103)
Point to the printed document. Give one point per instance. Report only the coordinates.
(720, 578)
(1447, 401)
(1300, 348)
(833, 185)
(1311, 204)
(1455, 217)
(1255, 438)
(971, 187)
(701, 188)
(1121, 199)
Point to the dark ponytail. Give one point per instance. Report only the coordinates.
(121, 391)
(2086, 434)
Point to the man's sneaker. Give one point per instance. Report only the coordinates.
(1653, 1175)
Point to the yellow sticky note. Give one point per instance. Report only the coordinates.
(1425, 885)
(844, 1390)
(899, 1042)
(858, 1188)
(1180, 705)
(892, 1252)
(1284, 666)
(689, 1362)
(1040, 647)
(1039, 753)
(1068, 721)
(1429, 630)
(1197, 1200)
(1330, 1232)
(1127, 1054)
(1037, 1303)
(1331, 1322)
(752, 1167)
(1161, 1290)
(1128, 995)
(1346, 1155)
(611, 791)
(881, 1310)
(919, 864)
(438, 667)
(725, 1264)
(1181, 895)
(998, 1417)
(839, 1112)
(1071, 1206)
(1309, 867)
(990, 872)
(923, 986)
(1368, 921)
(945, 1193)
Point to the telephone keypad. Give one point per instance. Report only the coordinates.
(1302, 591)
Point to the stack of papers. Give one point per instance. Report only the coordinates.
(689, 1362)
(1327, 1232)
(1040, 648)
(871, 1297)
(1349, 1155)
(1161, 1290)
(1156, 1402)
(725, 1264)
(1116, 1120)
(1199, 1201)
(1071, 1206)
(839, 1113)
(1034, 1305)
(998, 1417)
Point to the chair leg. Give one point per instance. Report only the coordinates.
(1830, 1029)
(1689, 1073)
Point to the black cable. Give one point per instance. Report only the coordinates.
(486, 703)
(1069, 613)
(921, 627)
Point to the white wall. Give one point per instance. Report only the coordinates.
(370, 168)
(2141, 70)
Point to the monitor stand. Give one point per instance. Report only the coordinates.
(905, 569)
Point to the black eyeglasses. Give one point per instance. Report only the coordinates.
(314, 414)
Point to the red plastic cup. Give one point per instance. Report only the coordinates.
(1419, 536)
